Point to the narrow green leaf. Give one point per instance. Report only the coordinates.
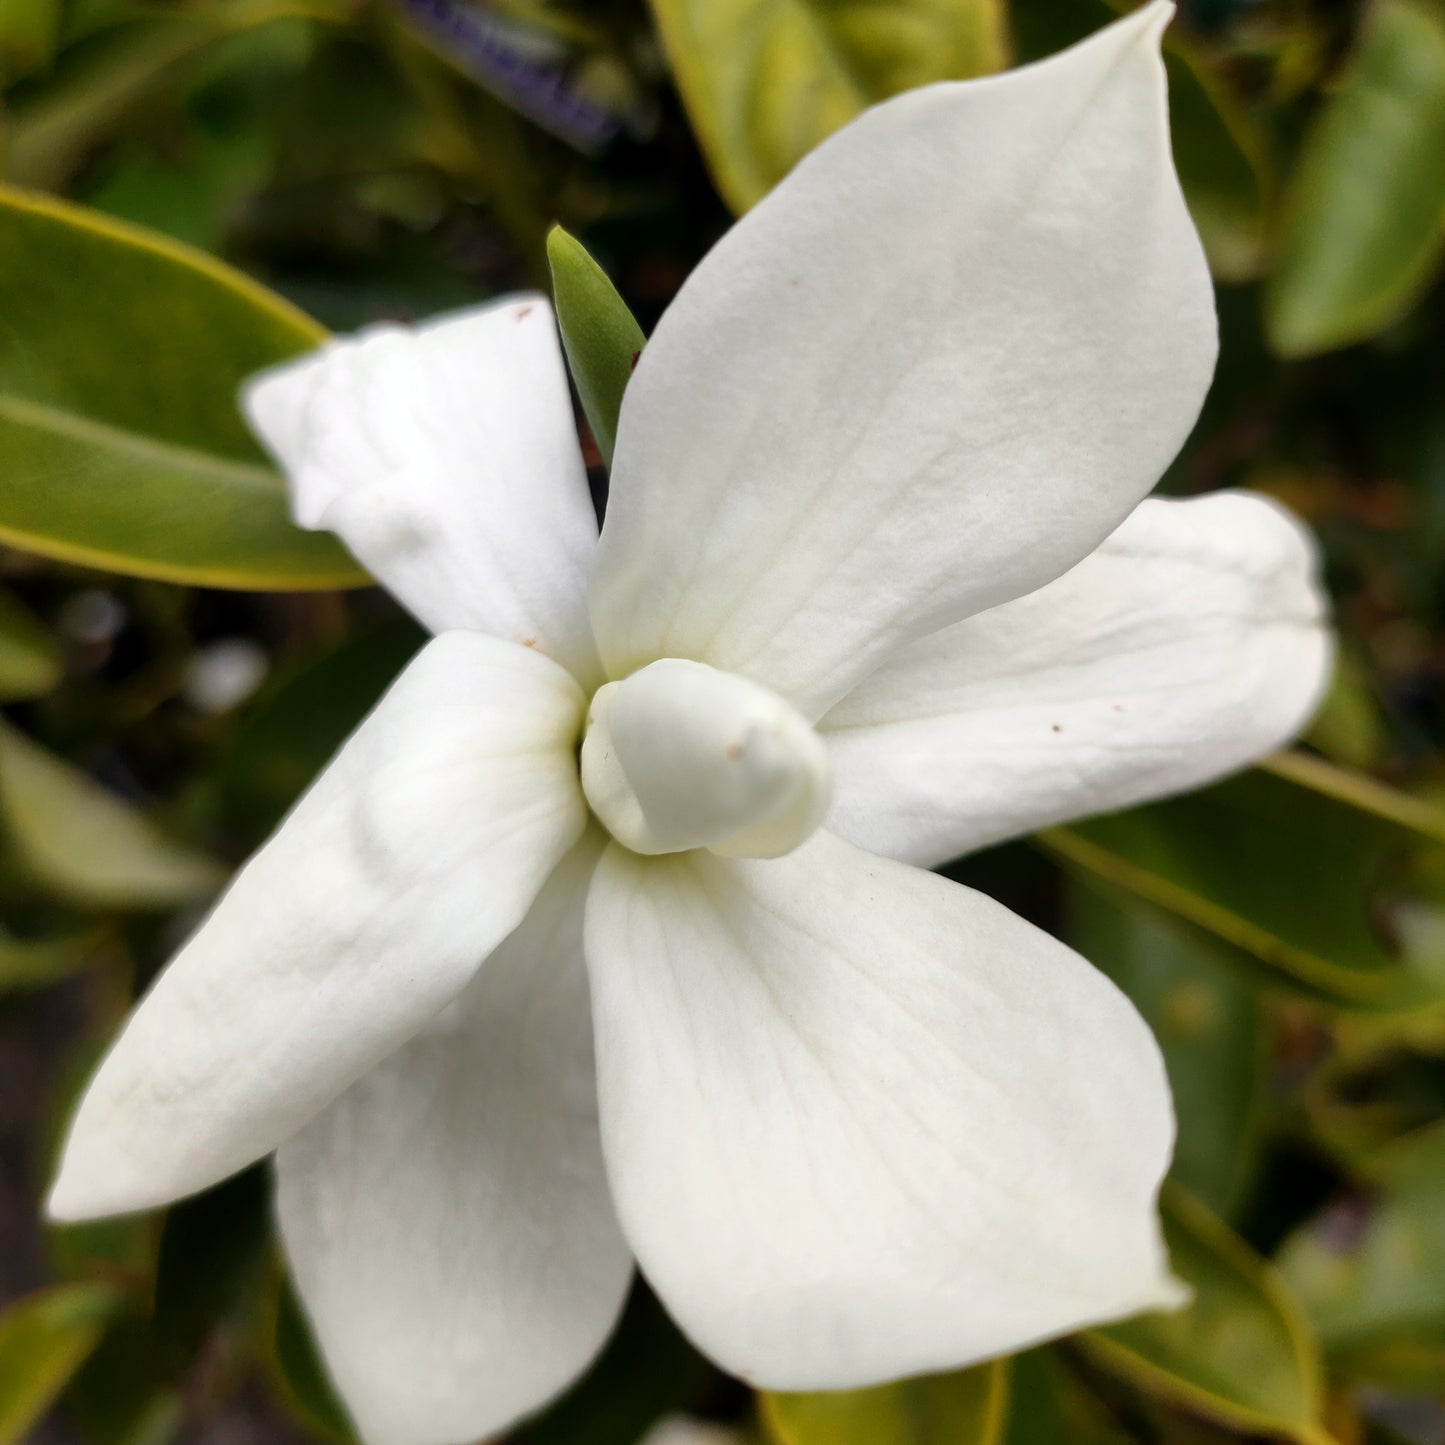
(1362, 229)
(119, 365)
(967, 1407)
(1240, 1353)
(764, 81)
(1209, 1023)
(82, 843)
(29, 659)
(602, 339)
(44, 1339)
(1244, 860)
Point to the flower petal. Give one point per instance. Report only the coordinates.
(413, 855)
(930, 372)
(446, 458)
(862, 1122)
(447, 1219)
(1191, 643)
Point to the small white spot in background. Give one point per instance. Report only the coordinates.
(676, 1430)
(91, 618)
(222, 675)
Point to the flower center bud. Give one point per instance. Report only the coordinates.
(680, 755)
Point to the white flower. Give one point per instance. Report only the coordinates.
(875, 526)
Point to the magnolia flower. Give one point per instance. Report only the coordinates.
(877, 586)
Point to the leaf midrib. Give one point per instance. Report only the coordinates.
(52, 419)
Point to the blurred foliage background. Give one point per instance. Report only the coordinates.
(176, 662)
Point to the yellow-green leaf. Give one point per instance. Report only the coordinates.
(28, 32)
(29, 659)
(765, 80)
(1362, 233)
(602, 339)
(27, 963)
(120, 360)
(1240, 1353)
(85, 844)
(968, 1407)
(44, 1340)
(1244, 860)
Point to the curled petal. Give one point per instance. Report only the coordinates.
(862, 1122)
(414, 854)
(447, 1219)
(445, 456)
(1191, 643)
(937, 366)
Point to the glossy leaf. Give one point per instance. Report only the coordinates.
(81, 842)
(765, 80)
(968, 1407)
(1362, 230)
(29, 659)
(1371, 1268)
(601, 338)
(1209, 1024)
(1244, 861)
(124, 449)
(1240, 1353)
(44, 1339)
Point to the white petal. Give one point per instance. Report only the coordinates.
(447, 1219)
(446, 458)
(862, 1122)
(930, 372)
(1191, 643)
(419, 848)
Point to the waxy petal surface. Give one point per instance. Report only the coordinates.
(447, 1219)
(414, 854)
(935, 368)
(1191, 643)
(862, 1122)
(445, 456)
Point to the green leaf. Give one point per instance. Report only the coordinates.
(85, 844)
(29, 659)
(28, 33)
(1371, 1271)
(1209, 1024)
(602, 339)
(1362, 225)
(124, 449)
(764, 81)
(27, 963)
(967, 1407)
(1244, 861)
(1240, 1353)
(44, 1339)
